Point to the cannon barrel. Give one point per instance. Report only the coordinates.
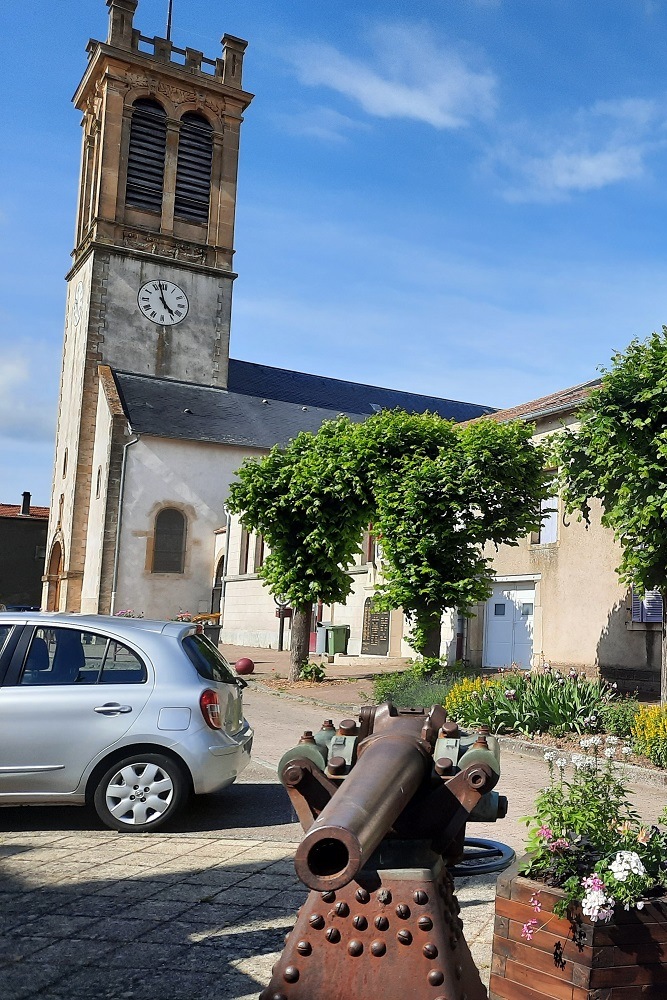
(389, 771)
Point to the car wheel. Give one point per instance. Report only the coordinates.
(140, 793)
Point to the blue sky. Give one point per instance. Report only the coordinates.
(458, 197)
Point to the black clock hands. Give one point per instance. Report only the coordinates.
(164, 303)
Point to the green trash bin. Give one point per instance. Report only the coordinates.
(337, 636)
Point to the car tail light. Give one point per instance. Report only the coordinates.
(210, 709)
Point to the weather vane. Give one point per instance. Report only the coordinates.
(169, 8)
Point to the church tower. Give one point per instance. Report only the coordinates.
(150, 288)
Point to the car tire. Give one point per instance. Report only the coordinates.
(141, 793)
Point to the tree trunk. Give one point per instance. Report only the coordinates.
(430, 623)
(300, 644)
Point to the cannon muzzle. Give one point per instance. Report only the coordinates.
(364, 809)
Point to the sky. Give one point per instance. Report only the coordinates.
(463, 198)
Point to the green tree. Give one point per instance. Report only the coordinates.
(435, 514)
(311, 504)
(435, 492)
(618, 456)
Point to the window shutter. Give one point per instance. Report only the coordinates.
(636, 606)
(145, 158)
(169, 545)
(193, 169)
(652, 606)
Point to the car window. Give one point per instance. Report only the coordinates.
(69, 656)
(5, 631)
(208, 660)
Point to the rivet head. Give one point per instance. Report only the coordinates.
(316, 921)
(291, 974)
(304, 947)
(381, 923)
(403, 911)
(404, 937)
(430, 951)
(425, 924)
(436, 977)
(453, 941)
(329, 896)
(333, 935)
(360, 923)
(420, 897)
(355, 948)
(362, 895)
(278, 996)
(378, 948)
(342, 909)
(458, 971)
(384, 896)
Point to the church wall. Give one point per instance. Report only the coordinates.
(193, 477)
(249, 609)
(97, 510)
(194, 350)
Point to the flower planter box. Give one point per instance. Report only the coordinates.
(625, 959)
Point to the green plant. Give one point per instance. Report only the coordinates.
(618, 716)
(649, 731)
(312, 671)
(586, 838)
(543, 701)
(410, 690)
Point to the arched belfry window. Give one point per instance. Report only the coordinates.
(169, 542)
(145, 158)
(193, 170)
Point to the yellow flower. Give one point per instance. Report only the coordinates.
(643, 836)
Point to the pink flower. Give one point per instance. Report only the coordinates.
(593, 882)
(535, 902)
(545, 833)
(528, 930)
(558, 845)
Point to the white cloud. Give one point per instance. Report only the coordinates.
(407, 75)
(26, 412)
(319, 123)
(598, 146)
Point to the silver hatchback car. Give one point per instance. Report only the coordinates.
(128, 715)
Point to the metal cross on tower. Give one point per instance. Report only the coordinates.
(169, 10)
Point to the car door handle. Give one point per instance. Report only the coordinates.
(112, 708)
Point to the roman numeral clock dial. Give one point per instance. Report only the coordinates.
(163, 302)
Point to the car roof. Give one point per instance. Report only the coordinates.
(92, 622)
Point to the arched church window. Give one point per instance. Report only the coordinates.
(193, 169)
(145, 158)
(169, 541)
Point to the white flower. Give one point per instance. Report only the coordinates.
(612, 740)
(609, 752)
(597, 905)
(561, 763)
(626, 863)
(639, 904)
(626, 750)
(584, 744)
(550, 755)
(595, 741)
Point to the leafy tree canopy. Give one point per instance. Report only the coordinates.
(619, 457)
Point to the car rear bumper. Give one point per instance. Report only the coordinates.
(224, 760)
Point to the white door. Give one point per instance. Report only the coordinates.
(508, 638)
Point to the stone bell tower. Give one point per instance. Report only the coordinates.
(150, 288)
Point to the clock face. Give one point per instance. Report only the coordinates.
(163, 302)
(78, 304)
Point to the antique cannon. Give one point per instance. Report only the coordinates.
(384, 805)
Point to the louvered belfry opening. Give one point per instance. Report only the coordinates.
(145, 161)
(193, 171)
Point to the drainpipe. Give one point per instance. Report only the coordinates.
(114, 580)
(224, 575)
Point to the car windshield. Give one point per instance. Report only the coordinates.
(208, 661)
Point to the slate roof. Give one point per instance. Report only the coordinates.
(281, 404)
(14, 510)
(168, 408)
(555, 402)
(251, 379)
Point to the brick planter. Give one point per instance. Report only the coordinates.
(575, 960)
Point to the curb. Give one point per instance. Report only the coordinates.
(510, 744)
(635, 773)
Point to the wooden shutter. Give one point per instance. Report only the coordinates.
(647, 608)
(169, 545)
(193, 168)
(145, 158)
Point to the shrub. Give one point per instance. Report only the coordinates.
(527, 703)
(618, 717)
(410, 690)
(649, 731)
(311, 671)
